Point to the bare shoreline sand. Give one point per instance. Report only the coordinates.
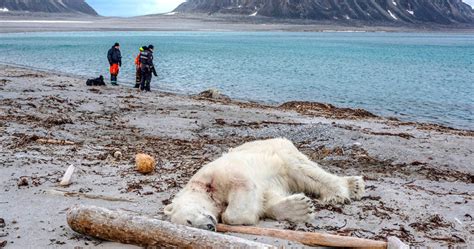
(33, 22)
(419, 177)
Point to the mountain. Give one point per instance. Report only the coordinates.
(48, 6)
(368, 11)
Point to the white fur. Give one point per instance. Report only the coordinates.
(257, 180)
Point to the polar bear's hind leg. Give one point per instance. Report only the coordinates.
(311, 179)
(308, 177)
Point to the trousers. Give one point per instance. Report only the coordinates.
(145, 81)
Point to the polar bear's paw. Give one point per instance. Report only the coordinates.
(295, 208)
(356, 186)
(237, 218)
(343, 190)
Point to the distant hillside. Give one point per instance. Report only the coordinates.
(370, 11)
(48, 6)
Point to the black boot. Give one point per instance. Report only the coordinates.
(113, 80)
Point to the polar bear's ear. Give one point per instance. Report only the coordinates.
(169, 209)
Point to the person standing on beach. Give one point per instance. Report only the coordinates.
(115, 60)
(138, 73)
(147, 68)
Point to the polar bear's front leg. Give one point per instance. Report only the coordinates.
(244, 208)
(294, 208)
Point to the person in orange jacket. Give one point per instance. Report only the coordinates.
(115, 60)
(138, 71)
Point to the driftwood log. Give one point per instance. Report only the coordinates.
(85, 195)
(124, 227)
(54, 141)
(306, 238)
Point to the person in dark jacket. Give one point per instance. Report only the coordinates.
(147, 68)
(115, 60)
(138, 73)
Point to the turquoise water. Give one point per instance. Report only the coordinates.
(418, 77)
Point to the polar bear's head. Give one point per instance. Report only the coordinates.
(193, 209)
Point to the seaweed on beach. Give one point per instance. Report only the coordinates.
(25, 75)
(57, 120)
(326, 110)
(431, 223)
(436, 127)
(358, 158)
(254, 125)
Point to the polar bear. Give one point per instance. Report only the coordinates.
(261, 179)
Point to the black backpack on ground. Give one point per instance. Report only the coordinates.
(96, 82)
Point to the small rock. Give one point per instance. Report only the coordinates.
(3, 243)
(118, 155)
(2, 223)
(210, 93)
(357, 144)
(220, 121)
(23, 181)
(213, 94)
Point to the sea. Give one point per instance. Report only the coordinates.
(423, 77)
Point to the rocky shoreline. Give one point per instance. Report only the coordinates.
(419, 177)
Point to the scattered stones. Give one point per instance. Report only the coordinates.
(433, 222)
(23, 181)
(4, 82)
(144, 163)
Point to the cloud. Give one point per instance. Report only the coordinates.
(133, 7)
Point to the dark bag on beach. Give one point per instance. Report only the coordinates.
(96, 82)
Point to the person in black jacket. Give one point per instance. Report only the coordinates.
(147, 68)
(115, 60)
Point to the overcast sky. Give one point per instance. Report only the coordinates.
(143, 7)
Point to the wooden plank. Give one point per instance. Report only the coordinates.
(306, 238)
